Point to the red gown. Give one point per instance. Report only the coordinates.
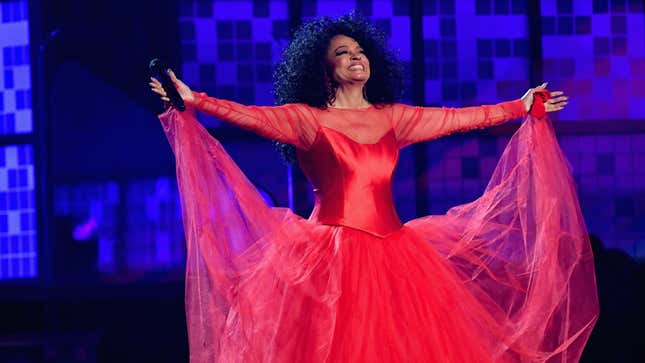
(506, 278)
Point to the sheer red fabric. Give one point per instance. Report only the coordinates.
(506, 278)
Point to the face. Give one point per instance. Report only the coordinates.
(346, 61)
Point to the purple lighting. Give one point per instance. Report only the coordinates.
(86, 230)
(474, 52)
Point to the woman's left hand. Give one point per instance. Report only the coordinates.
(556, 100)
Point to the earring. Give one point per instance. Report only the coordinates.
(331, 91)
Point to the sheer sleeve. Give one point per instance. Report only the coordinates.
(291, 123)
(415, 124)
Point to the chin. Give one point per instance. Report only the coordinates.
(363, 78)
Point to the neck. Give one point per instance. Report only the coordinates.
(350, 96)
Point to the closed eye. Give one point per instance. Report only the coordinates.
(345, 52)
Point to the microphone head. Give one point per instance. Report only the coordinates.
(156, 65)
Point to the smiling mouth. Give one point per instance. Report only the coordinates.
(356, 68)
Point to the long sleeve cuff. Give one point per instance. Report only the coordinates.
(515, 109)
(198, 99)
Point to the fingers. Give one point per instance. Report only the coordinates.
(156, 86)
(164, 97)
(559, 104)
(556, 104)
(172, 75)
(159, 92)
(558, 99)
(157, 89)
(551, 108)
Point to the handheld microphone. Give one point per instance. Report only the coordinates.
(158, 70)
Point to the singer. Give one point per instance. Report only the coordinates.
(508, 277)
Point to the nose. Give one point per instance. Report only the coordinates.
(356, 56)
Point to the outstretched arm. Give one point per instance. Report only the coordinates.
(415, 124)
(292, 123)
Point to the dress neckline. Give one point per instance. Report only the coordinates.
(351, 109)
(378, 141)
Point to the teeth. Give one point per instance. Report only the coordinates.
(353, 68)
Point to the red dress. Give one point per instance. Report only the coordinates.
(506, 278)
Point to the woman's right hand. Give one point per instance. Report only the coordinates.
(184, 91)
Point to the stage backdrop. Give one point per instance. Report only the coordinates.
(18, 235)
(469, 52)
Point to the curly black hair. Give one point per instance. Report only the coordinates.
(301, 76)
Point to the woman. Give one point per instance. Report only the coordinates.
(508, 277)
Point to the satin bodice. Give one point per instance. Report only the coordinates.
(352, 181)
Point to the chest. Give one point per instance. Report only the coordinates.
(361, 127)
(335, 157)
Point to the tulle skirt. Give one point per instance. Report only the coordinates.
(506, 278)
